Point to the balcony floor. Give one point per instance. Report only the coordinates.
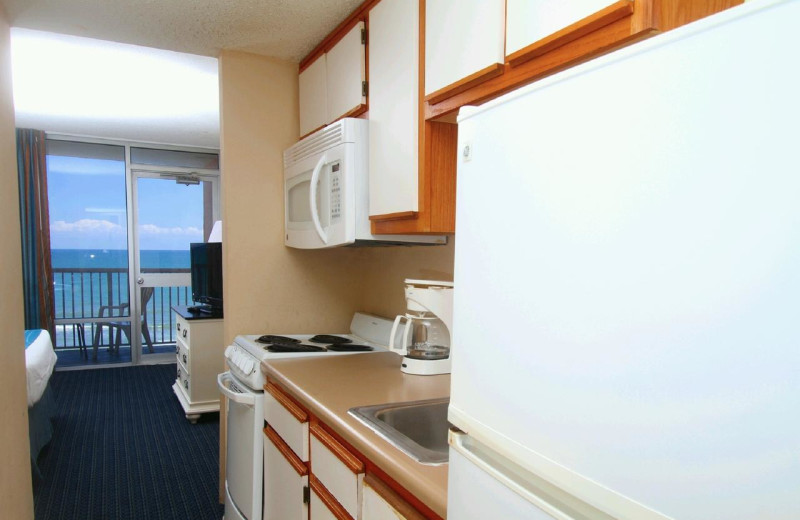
(72, 357)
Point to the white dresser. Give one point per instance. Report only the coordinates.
(199, 348)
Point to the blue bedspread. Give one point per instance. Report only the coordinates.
(30, 336)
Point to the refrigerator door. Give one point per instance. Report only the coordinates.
(483, 484)
(626, 273)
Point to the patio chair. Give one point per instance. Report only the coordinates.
(117, 327)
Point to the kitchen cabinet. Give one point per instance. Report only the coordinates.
(463, 44)
(535, 26)
(309, 472)
(380, 502)
(346, 74)
(393, 107)
(313, 96)
(337, 470)
(543, 37)
(198, 349)
(412, 163)
(334, 84)
(285, 480)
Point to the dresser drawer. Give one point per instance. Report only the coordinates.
(182, 352)
(184, 380)
(337, 469)
(289, 420)
(182, 329)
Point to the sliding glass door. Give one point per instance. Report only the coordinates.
(173, 196)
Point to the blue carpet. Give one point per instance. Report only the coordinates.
(123, 449)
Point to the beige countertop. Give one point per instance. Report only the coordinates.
(329, 386)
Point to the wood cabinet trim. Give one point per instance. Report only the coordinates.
(328, 499)
(343, 454)
(400, 215)
(298, 465)
(493, 70)
(392, 498)
(287, 402)
(616, 11)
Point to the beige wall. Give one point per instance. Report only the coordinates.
(269, 287)
(385, 268)
(15, 476)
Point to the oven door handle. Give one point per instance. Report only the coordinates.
(223, 381)
(313, 195)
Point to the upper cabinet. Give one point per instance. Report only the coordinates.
(393, 107)
(313, 96)
(333, 85)
(347, 74)
(535, 26)
(463, 44)
(543, 37)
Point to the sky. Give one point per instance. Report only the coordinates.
(88, 208)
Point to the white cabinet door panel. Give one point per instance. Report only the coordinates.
(346, 66)
(528, 21)
(462, 37)
(393, 106)
(313, 96)
(283, 487)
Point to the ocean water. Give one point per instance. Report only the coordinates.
(85, 280)
(118, 258)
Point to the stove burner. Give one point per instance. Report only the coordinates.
(350, 348)
(327, 338)
(293, 347)
(283, 340)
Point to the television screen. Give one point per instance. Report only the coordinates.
(206, 261)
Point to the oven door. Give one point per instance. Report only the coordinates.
(320, 200)
(244, 449)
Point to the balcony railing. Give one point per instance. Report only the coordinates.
(81, 292)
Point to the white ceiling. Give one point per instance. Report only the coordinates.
(84, 84)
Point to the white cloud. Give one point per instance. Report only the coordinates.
(152, 229)
(87, 225)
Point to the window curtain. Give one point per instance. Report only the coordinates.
(37, 271)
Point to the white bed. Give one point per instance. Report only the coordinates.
(40, 359)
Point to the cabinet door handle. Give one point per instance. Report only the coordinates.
(184, 332)
(184, 359)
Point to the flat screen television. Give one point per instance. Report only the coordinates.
(206, 262)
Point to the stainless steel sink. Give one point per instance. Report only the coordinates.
(417, 428)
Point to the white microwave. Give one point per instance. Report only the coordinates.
(326, 190)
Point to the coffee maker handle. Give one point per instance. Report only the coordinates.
(402, 349)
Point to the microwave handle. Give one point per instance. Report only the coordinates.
(313, 194)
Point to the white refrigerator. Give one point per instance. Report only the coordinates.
(627, 284)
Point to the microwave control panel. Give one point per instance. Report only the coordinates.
(336, 192)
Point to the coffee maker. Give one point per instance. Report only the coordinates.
(425, 341)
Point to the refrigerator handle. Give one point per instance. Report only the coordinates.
(555, 502)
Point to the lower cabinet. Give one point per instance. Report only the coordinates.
(285, 480)
(380, 502)
(313, 476)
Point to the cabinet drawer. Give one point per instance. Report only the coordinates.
(338, 470)
(287, 419)
(285, 477)
(182, 329)
(379, 502)
(323, 505)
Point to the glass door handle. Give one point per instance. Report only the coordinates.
(140, 280)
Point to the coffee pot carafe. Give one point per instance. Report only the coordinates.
(425, 339)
